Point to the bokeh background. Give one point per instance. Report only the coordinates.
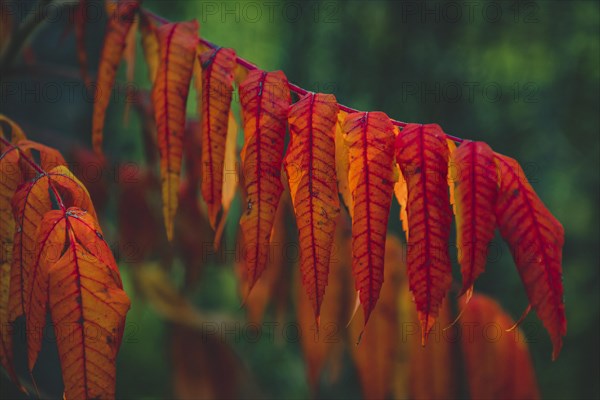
(522, 76)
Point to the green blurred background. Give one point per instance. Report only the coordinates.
(521, 76)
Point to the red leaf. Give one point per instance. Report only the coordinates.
(150, 45)
(265, 99)
(497, 363)
(377, 354)
(177, 51)
(422, 153)
(119, 24)
(31, 201)
(310, 167)
(476, 189)
(370, 139)
(87, 305)
(6, 342)
(536, 239)
(217, 85)
(11, 178)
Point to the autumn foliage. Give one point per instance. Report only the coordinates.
(54, 256)
(372, 146)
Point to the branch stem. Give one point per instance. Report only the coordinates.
(293, 87)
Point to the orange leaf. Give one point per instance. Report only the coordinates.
(310, 167)
(274, 285)
(230, 177)
(323, 346)
(177, 51)
(217, 85)
(401, 192)
(31, 201)
(88, 308)
(536, 239)
(118, 27)
(50, 237)
(476, 189)
(49, 157)
(29, 204)
(201, 364)
(375, 355)
(6, 342)
(497, 363)
(130, 50)
(342, 166)
(16, 133)
(11, 178)
(265, 99)
(370, 139)
(422, 153)
(451, 149)
(433, 372)
(150, 45)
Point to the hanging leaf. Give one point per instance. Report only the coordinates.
(401, 192)
(29, 204)
(451, 149)
(150, 45)
(274, 285)
(342, 166)
(310, 167)
(433, 368)
(16, 133)
(536, 239)
(82, 294)
(86, 300)
(202, 363)
(497, 363)
(6, 342)
(476, 189)
(177, 52)
(422, 153)
(380, 344)
(265, 99)
(11, 178)
(370, 139)
(50, 238)
(323, 346)
(129, 52)
(49, 157)
(31, 201)
(118, 27)
(230, 177)
(217, 85)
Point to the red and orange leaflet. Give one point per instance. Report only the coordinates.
(422, 153)
(169, 94)
(370, 140)
(265, 99)
(536, 239)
